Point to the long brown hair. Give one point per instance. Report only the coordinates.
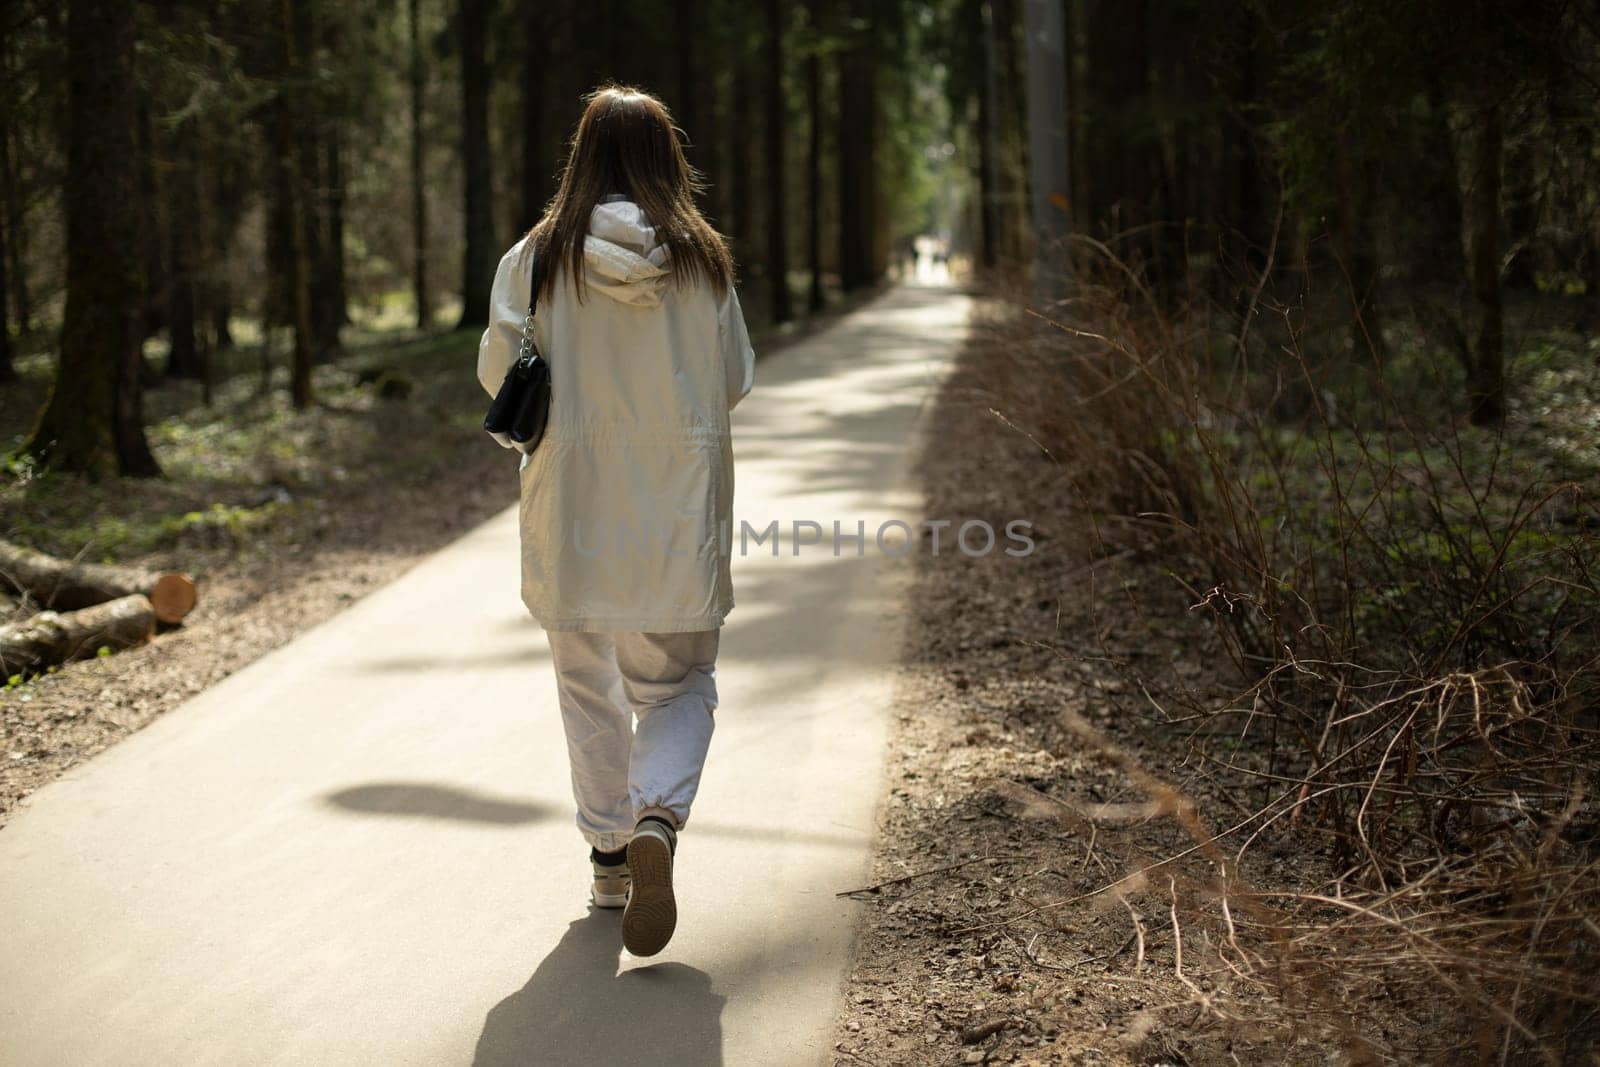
(626, 143)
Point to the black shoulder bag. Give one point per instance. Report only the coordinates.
(519, 411)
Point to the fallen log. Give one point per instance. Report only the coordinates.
(52, 637)
(66, 585)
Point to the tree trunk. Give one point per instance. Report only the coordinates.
(857, 115)
(1245, 178)
(315, 164)
(536, 163)
(8, 369)
(1591, 281)
(739, 155)
(1047, 146)
(686, 108)
(50, 637)
(817, 299)
(85, 427)
(1354, 241)
(11, 207)
(1486, 390)
(1011, 132)
(293, 208)
(153, 315)
(338, 296)
(16, 236)
(183, 199)
(777, 200)
(477, 274)
(988, 99)
(419, 199)
(222, 322)
(1118, 87)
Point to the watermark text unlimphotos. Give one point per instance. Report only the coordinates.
(890, 537)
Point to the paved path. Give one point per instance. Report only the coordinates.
(360, 850)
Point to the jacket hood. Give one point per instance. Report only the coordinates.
(622, 257)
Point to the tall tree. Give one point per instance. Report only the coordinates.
(536, 163)
(336, 304)
(419, 197)
(290, 212)
(857, 128)
(988, 137)
(317, 166)
(1047, 143)
(686, 108)
(777, 200)
(12, 272)
(185, 358)
(92, 423)
(477, 273)
(738, 160)
(816, 299)
(1486, 386)
(8, 370)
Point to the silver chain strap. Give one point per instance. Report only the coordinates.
(526, 353)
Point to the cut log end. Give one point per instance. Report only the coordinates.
(173, 596)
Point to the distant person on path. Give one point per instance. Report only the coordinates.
(627, 501)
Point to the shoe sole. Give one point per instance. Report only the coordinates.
(652, 911)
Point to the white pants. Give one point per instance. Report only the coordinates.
(604, 681)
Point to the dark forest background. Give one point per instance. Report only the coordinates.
(179, 175)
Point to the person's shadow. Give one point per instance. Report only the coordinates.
(577, 1009)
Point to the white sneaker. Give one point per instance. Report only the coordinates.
(610, 889)
(652, 912)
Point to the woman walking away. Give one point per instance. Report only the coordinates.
(627, 500)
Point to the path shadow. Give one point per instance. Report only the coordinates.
(435, 802)
(577, 1009)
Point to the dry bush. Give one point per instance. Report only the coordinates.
(1410, 626)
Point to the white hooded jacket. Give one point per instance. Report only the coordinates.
(627, 503)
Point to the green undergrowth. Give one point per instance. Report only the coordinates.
(243, 473)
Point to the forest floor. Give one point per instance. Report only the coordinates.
(957, 962)
(1022, 909)
(283, 518)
